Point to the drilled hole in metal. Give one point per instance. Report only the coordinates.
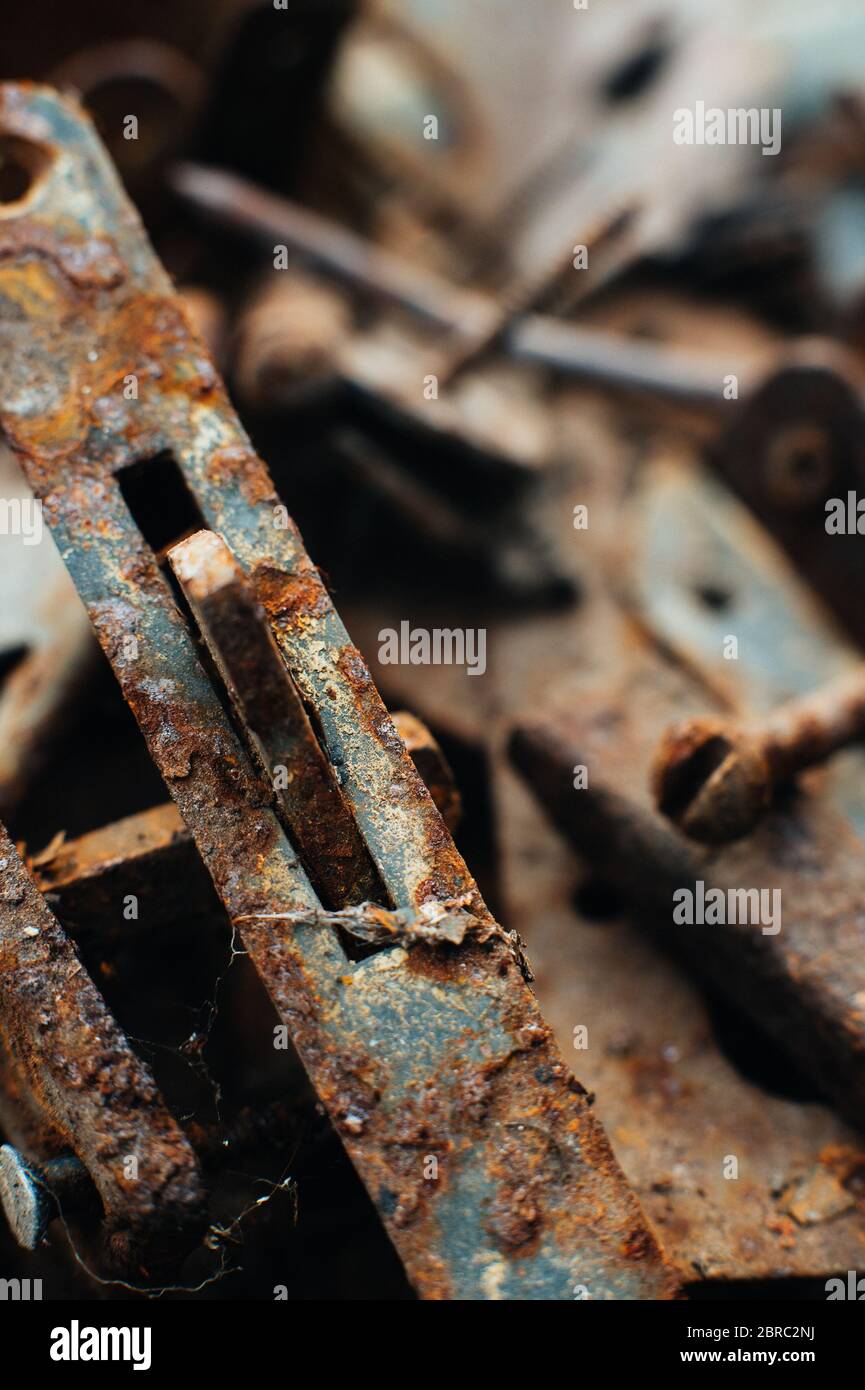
(10, 660)
(799, 466)
(21, 163)
(713, 596)
(639, 71)
(158, 111)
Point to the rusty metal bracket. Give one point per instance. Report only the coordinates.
(794, 443)
(801, 977)
(478, 1148)
(74, 1067)
(152, 855)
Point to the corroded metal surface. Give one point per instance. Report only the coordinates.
(78, 1068)
(795, 443)
(724, 575)
(803, 979)
(478, 1148)
(278, 728)
(673, 1098)
(431, 764)
(150, 855)
(674, 1095)
(715, 777)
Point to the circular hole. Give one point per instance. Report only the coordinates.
(20, 165)
(714, 597)
(142, 95)
(156, 109)
(799, 465)
(639, 71)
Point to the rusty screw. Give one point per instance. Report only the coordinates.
(32, 1194)
(714, 779)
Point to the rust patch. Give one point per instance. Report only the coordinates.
(457, 1056)
(80, 1070)
(88, 262)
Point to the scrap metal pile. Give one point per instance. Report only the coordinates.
(433, 863)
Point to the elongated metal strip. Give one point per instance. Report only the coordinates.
(80, 1070)
(239, 641)
(478, 1148)
(152, 855)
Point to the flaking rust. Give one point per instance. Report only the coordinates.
(152, 855)
(802, 867)
(478, 1148)
(76, 1066)
(278, 729)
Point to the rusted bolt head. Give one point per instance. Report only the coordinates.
(26, 1202)
(711, 780)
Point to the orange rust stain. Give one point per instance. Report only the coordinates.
(242, 466)
(87, 261)
(30, 286)
(289, 599)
